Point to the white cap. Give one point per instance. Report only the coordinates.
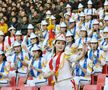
(16, 43)
(11, 28)
(44, 22)
(35, 48)
(69, 33)
(105, 29)
(106, 18)
(66, 14)
(48, 12)
(1, 33)
(106, 3)
(68, 6)
(61, 37)
(30, 26)
(83, 28)
(32, 35)
(62, 24)
(71, 20)
(94, 40)
(53, 17)
(95, 21)
(18, 33)
(82, 14)
(1, 52)
(80, 5)
(89, 2)
(80, 46)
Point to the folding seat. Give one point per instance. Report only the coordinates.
(101, 79)
(94, 78)
(12, 82)
(47, 88)
(92, 87)
(21, 81)
(105, 69)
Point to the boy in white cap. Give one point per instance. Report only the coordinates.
(81, 21)
(19, 61)
(63, 28)
(73, 28)
(10, 39)
(83, 36)
(45, 33)
(69, 41)
(19, 36)
(80, 8)
(26, 39)
(88, 21)
(66, 17)
(90, 8)
(4, 67)
(95, 31)
(83, 69)
(104, 41)
(36, 68)
(97, 56)
(34, 41)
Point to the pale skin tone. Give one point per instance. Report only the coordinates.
(36, 55)
(59, 45)
(18, 50)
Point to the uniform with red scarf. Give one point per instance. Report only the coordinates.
(62, 76)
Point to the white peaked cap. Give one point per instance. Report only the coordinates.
(94, 40)
(67, 13)
(16, 43)
(106, 18)
(95, 21)
(61, 37)
(105, 29)
(30, 26)
(82, 14)
(18, 33)
(80, 46)
(83, 28)
(1, 33)
(32, 35)
(68, 6)
(89, 2)
(44, 22)
(62, 24)
(35, 48)
(69, 33)
(71, 20)
(1, 52)
(106, 3)
(11, 28)
(48, 12)
(53, 17)
(80, 5)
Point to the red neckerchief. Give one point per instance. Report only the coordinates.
(57, 63)
(3, 46)
(9, 40)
